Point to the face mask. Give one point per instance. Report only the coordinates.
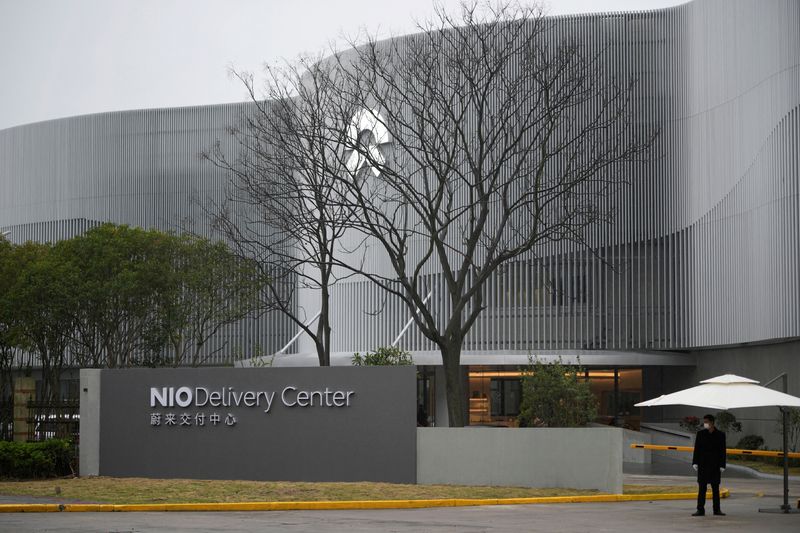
(706, 425)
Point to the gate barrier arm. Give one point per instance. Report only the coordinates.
(729, 451)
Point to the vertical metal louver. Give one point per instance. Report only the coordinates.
(705, 249)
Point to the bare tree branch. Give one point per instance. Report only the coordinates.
(504, 137)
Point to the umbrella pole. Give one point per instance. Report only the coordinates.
(786, 507)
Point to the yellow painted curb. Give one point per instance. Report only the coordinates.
(328, 506)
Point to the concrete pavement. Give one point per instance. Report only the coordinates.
(747, 496)
(662, 516)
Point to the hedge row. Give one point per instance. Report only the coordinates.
(756, 442)
(26, 460)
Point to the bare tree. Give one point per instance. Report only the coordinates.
(480, 140)
(496, 137)
(283, 206)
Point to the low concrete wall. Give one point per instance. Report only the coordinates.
(635, 455)
(89, 458)
(669, 435)
(581, 458)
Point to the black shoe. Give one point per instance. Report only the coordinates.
(699, 513)
(719, 513)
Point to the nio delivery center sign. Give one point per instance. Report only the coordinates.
(204, 399)
(312, 424)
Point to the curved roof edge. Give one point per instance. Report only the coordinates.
(589, 358)
(565, 16)
(127, 111)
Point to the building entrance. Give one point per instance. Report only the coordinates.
(494, 395)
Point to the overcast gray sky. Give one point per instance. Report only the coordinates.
(61, 58)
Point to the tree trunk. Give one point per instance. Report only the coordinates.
(323, 340)
(456, 400)
(326, 324)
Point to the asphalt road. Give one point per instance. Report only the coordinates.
(658, 516)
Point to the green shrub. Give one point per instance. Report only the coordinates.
(750, 442)
(691, 424)
(26, 460)
(555, 395)
(383, 356)
(756, 442)
(778, 461)
(726, 421)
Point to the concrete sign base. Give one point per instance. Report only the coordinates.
(292, 424)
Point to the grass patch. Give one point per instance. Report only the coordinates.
(767, 468)
(140, 490)
(658, 489)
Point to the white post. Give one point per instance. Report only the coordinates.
(298, 335)
(410, 321)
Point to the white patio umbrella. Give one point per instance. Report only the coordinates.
(726, 392)
(734, 392)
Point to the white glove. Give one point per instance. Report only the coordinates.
(695, 467)
(722, 469)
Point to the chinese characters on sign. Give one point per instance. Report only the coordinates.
(187, 419)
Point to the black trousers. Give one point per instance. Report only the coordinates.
(701, 496)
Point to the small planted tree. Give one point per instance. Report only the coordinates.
(8, 343)
(726, 421)
(122, 283)
(209, 289)
(40, 295)
(792, 428)
(691, 424)
(383, 356)
(553, 395)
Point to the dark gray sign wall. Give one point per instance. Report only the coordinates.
(322, 424)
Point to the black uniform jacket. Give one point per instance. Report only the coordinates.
(709, 455)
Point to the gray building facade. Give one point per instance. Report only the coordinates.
(698, 275)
